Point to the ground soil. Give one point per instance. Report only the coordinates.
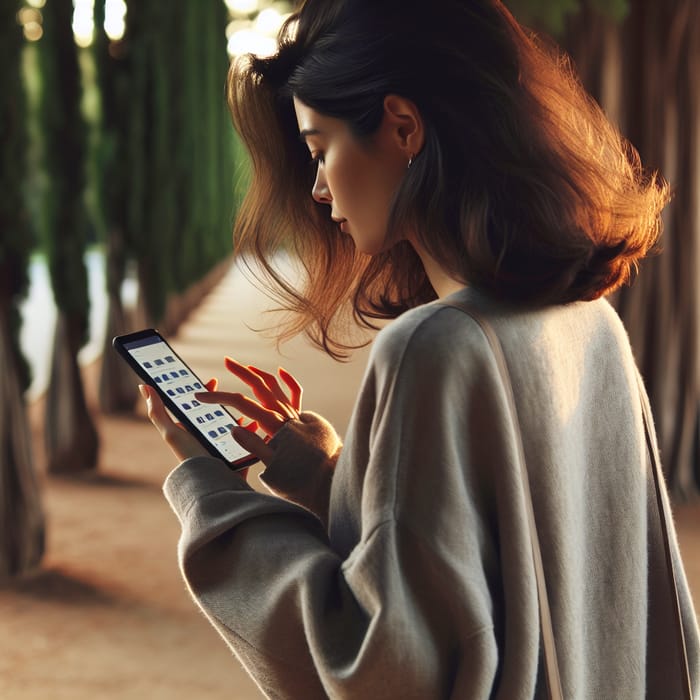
(107, 615)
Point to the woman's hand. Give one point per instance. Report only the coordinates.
(173, 433)
(272, 409)
(183, 445)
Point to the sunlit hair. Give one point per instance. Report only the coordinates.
(523, 189)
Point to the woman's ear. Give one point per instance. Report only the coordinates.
(405, 124)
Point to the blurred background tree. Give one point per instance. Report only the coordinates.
(70, 433)
(640, 59)
(117, 389)
(22, 531)
(180, 206)
(659, 76)
(168, 167)
(553, 15)
(645, 72)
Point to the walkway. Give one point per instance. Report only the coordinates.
(108, 617)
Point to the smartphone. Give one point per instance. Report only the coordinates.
(159, 366)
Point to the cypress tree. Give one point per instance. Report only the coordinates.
(117, 390)
(206, 144)
(21, 516)
(221, 152)
(205, 151)
(152, 198)
(71, 437)
(180, 202)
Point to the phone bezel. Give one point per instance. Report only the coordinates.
(119, 342)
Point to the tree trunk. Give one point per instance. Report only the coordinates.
(21, 515)
(662, 312)
(71, 438)
(117, 390)
(659, 111)
(683, 78)
(117, 386)
(22, 530)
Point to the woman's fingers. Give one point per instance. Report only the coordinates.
(175, 436)
(245, 374)
(252, 426)
(269, 420)
(273, 407)
(294, 388)
(182, 443)
(265, 387)
(270, 383)
(156, 412)
(212, 384)
(254, 444)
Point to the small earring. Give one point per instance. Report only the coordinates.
(410, 162)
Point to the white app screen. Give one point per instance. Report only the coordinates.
(177, 381)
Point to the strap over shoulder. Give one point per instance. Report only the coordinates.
(554, 687)
(664, 519)
(552, 675)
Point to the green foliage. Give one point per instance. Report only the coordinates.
(64, 131)
(14, 224)
(111, 167)
(206, 155)
(15, 229)
(616, 10)
(91, 110)
(35, 180)
(153, 49)
(551, 15)
(179, 147)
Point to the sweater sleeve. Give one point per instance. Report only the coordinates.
(400, 604)
(305, 623)
(306, 451)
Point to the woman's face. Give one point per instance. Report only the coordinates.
(356, 179)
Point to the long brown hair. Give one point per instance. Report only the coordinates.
(523, 189)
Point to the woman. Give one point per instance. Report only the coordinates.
(453, 161)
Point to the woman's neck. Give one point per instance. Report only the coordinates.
(442, 282)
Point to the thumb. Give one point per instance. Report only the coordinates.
(253, 443)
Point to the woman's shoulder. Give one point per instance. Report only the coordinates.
(432, 334)
(441, 331)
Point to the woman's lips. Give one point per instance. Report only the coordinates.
(342, 224)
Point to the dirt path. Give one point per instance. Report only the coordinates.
(108, 617)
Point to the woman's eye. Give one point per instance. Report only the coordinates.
(317, 158)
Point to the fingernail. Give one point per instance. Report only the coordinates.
(144, 391)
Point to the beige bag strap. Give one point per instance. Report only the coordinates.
(550, 653)
(549, 647)
(664, 519)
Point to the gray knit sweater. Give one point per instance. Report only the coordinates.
(420, 584)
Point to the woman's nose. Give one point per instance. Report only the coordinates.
(320, 191)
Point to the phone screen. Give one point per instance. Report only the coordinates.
(158, 364)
